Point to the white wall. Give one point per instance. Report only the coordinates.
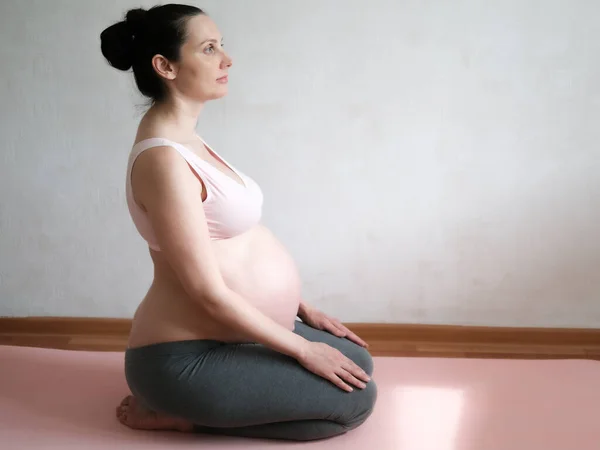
(424, 161)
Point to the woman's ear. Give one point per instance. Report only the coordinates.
(164, 67)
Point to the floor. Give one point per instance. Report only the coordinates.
(65, 399)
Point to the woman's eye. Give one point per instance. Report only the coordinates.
(209, 49)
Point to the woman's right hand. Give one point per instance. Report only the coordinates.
(331, 364)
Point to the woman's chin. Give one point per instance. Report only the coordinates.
(219, 93)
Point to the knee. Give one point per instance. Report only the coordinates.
(365, 404)
(362, 358)
(370, 398)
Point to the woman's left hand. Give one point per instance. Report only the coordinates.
(319, 320)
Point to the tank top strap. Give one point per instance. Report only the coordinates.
(149, 143)
(191, 158)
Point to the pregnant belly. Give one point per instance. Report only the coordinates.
(267, 277)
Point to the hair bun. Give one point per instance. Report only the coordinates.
(136, 20)
(117, 41)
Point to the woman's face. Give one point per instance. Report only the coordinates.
(201, 72)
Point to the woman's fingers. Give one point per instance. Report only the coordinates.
(331, 327)
(349, 334)
(351, 379)
(355, 370)
(335, 379)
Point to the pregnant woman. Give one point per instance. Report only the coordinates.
(215, 345)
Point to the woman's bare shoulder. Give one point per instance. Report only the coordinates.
(151, 126)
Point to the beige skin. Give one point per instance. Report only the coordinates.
(201, 287)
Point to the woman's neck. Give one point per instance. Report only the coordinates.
(180, 114)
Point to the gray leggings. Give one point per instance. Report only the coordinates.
(248, 389)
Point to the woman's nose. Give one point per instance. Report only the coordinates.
(226, 62)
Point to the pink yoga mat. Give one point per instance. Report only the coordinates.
(56, 399)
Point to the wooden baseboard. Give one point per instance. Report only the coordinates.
(109, 334)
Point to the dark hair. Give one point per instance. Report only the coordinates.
(133, 42)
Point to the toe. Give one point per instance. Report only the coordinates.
(122, 411)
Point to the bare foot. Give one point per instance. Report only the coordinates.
(136, 416)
